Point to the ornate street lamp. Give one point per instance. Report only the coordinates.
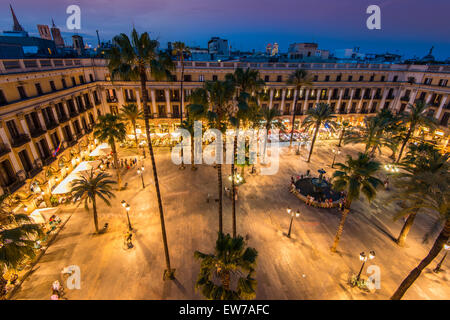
(140, 171)
(127, 210)
(336, 152)
(438, 267)
(292, 214)
(363, 258)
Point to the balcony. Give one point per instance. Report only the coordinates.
(111, 99)
(20, 140)
(47, 161)
(391, 96)
(405, 98)
(34, 171)
(37, 132)
(4, 149)
(52, 124)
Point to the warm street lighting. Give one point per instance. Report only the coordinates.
(335, 152)
(363, 258)
(127, 210)
(292, 214)
(391, 168)
(140, 171)
(438, 267)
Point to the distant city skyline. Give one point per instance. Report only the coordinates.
(408, 27)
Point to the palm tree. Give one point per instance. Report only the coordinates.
(424, 169)
(317, 116)
(299, 79)
(18, 236)
(189, 126)
(111, 130)
(130, 60)
(90, 186)
(270, 117)
(344, 125)
(231, 257)
(131, 113)
(367, 134)
(247, 83)
(356, 176)
(215, 104)
(180, 50)
(436, 200)
(415, 117)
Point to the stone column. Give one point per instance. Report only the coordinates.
(155, 110)
(295, 100)
(168, 108)
(120, 99)
(329, 91)
(271, 98)
(358, 107)
(283, 96)
(338, 107)
(31, 144)
(441, 106)
(305, 104)
(383, 98)
(349, 106)
(371, 100)
(138, 100)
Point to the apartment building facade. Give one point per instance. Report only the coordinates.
(48, 106)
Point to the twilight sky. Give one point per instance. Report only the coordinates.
(408, 27)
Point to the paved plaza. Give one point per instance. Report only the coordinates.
(301, 267)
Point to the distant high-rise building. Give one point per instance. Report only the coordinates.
(78, 44)
(269, 49)
(56, 34)
(44, 32)
(218, 48)
(274, 49)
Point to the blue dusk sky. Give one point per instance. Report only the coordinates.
(408, 27)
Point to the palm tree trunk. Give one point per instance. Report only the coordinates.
(116, 164)
(415, 273)
(226, 279)
(193, 167)
(94, 208)
(341, 137)
(233, 188)
(181, 88)
(405, 229)
(219, 185)
(135, 136)
(405, 141)
(293, 122)
(169, 273)
(316, 131)
(340, 229)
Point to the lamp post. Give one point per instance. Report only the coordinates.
(292, 214)
(127, 209)
(336, 152)
(140, 171)
(363, 258)
(438, 266)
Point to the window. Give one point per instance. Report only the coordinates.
(64, 84)
(443, 82)
(201, 78)
(22, 93)
(74, 82)
(372, 77)
(81, 79)
(350, 78)
(11, 125)
(327, 78)
(382, 78)
(52, 85)
(38, 89)
(279, 78)
(338, 78)
(361, 78)
(266, 78)
(395, 79)
(187, 78)
(214, 77)
(3, 100)
(91, 78)
(316, 78)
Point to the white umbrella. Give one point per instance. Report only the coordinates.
(102, 149)
(87, 165)
(66, 185)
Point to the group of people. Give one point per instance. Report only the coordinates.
(123, 163)
(57, 291)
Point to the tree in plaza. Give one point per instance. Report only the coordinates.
(298, 79)
(436, 200)
(231, 258)
(91, 186)
(425, 169)
(189, 126)
(217, 105)
(270, 116)
(345, 124)
(414, 118)
(18, 236)
(131, 113)
(354, 177)
(130, 60)
(315, 117)
(111, 129)
(247, 83)
(180, 50)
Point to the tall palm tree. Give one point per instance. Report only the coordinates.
(247, 83)
(270, 117)
(317, 116)
(90, 186)
(368, 134)
(436, 200)
(415, 117)
(345, 124)
(356, 176)
(189, 126)
(217, 106)
(424, 169)
(298, 79)
(131, 113)
(231, 257)
(18, 236)
(110, 129)
(130, 61)
(180, 50)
